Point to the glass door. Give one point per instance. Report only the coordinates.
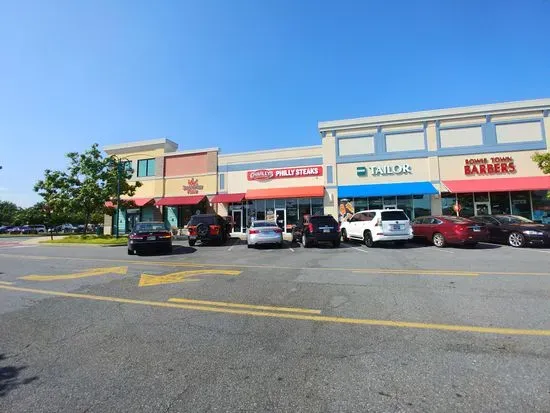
(390, 202)
(482, 208)
(280, 218)
(237, 220)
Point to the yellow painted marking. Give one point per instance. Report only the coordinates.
(6, 283)
(418, 272)
(88, 273)
(147, 280)
(308, 317)
(216, 265)
(251, 306)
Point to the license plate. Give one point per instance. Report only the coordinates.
(476, 229)
(151, 238)
(395, 227)
(326, 230)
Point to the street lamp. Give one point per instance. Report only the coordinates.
(121, 166)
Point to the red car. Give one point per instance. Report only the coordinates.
(443, 230)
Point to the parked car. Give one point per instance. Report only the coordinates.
(14, 230)
(313, 229)
(443, 230)
(64, 229)
(378, 225)
(264, 232)
(149, 236)
(515, 230)
(28, 229)
(5, 229)
(207, 228)
(40, 229)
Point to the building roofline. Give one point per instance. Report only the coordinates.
(227, 155)
(191, 151)
(150, 143)
(427, 115)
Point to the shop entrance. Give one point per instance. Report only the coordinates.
(280, 218)
(482, 208)
(238, 220)
(389, 202)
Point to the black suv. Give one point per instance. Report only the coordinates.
(317, 228)
(208, 228)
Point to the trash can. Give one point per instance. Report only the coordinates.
(99, 230)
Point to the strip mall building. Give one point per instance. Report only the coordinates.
(476, 160)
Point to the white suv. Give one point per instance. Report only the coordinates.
(378, 225)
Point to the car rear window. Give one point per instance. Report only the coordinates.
(322, 220)
(204, 219)
(260, 224)
(150, 226)
(394, 216)
(458, 220)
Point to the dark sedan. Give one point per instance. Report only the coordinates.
(515, 230)
(149, 236)
(443, 230)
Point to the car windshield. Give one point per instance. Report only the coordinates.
(322, 220)
(394, 216)
(150, 226)
(202, 219)
(512, 219)
(263, 224)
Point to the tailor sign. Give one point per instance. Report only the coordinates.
(301, 172)
(497, 165)
(385, 170)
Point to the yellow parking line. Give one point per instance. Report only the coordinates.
(251, 306)
(228, 266)
(417, 272)
(307, 317)
(6, 283)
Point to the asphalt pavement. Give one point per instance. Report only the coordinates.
(232, 329)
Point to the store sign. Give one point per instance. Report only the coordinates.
(193, 187)
(490, 166)
(384, 170)
(302, 172)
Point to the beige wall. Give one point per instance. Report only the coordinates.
(149, 188)
(276, 155)
(347, 172)
(452, 167)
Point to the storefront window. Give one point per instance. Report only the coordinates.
(500, 203)
(317, 206)
(291, 211)
(375, 203)
(304, 207)
(541, 206)
(389, 201)
(280, 203)
(406, 204)
(346, 209)
(481, 197)
(447, 203)
(361, 204)
(466, 202)
(422, 206)
(260, 209)
(521, 204)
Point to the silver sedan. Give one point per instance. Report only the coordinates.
(264, 232)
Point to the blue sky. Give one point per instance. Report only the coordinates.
(246, 75)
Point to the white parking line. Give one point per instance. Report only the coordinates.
(230, 248)
(359, 249)
(291, 249)
(442, 250)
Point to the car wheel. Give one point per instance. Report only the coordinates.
(305, 242)
(345, 236)
(439, 240)
(336, 244)
(249, 245)
(516, 240)
(130, 252)
(192, 243)
(367, 239)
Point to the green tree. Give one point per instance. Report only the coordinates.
(89, 181)
(543, 162)
(7, 212)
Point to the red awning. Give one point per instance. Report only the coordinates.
(530, 183)
(137, 201)
(180, 200)
(227, 198)
(278, 193)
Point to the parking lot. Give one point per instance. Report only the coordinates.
(227, 328)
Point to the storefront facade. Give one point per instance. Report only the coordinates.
(466, 161)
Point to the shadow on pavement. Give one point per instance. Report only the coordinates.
(9, 377)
